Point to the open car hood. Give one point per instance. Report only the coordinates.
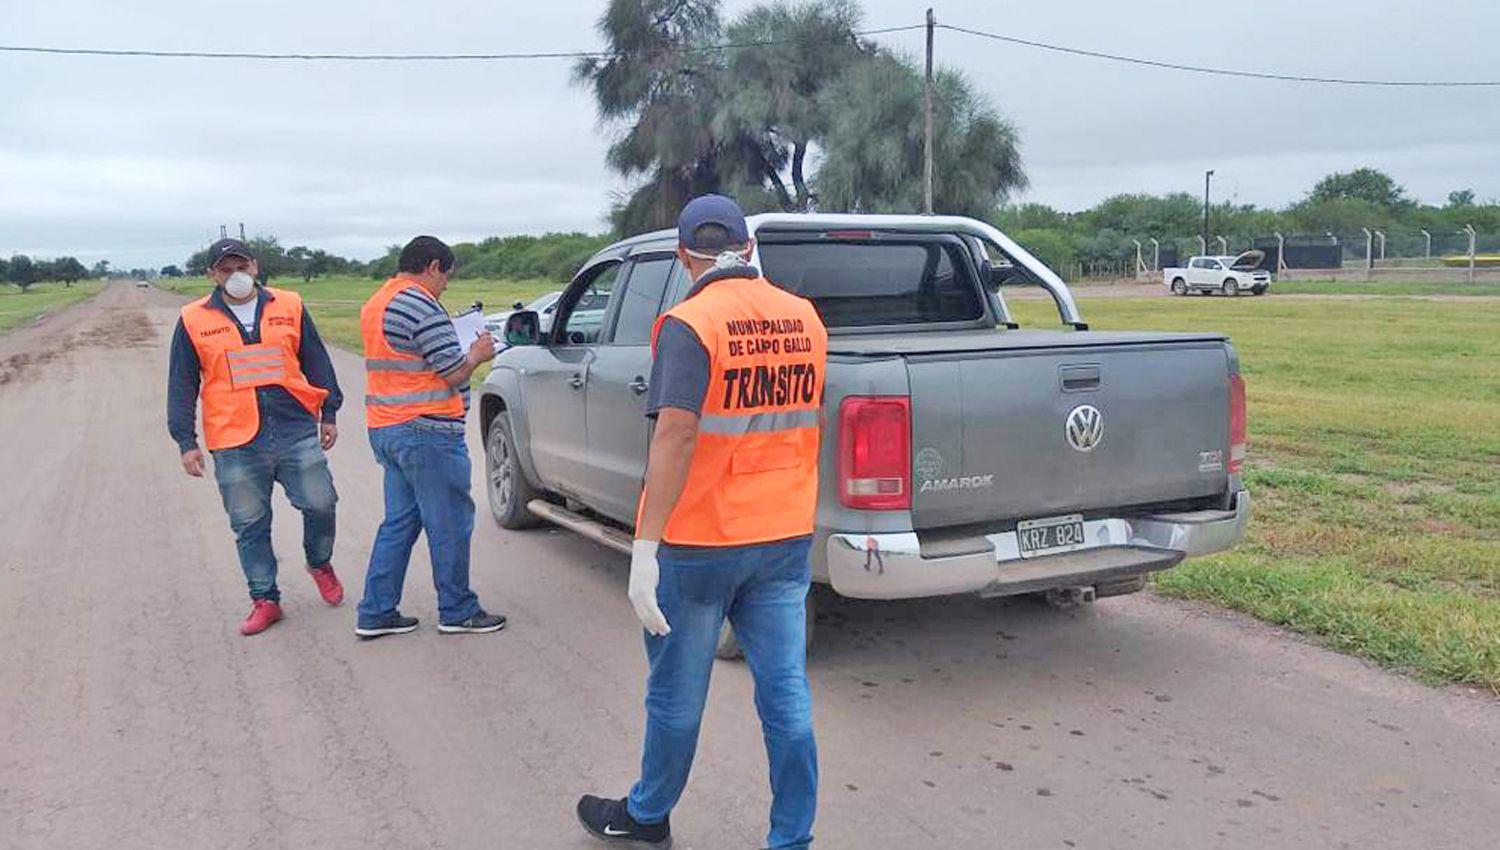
(1251, 259)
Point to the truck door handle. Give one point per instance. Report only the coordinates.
(576, 381)
(639, 385)
(1079, 378)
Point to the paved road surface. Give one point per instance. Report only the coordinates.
(133, 715)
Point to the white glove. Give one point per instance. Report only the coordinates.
(645, 573)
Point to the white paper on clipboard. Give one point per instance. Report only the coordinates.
(469, 325)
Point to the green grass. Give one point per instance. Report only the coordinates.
(18, 308)
(1488, 286)
(1374, 467)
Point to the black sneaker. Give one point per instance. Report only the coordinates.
(610, 820)
(479, 624)
(395, 623)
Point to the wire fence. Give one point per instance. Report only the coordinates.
(1456, 255)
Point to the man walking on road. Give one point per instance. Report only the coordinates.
(725, 524)
(269, 401)
(416, 399)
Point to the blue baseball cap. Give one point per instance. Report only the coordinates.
(711, 209)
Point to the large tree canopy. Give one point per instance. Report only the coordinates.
(798, 88)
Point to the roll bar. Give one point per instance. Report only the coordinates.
(1067, 308)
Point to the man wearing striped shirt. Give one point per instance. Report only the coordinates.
(416, 398)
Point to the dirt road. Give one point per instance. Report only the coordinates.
(133, 715)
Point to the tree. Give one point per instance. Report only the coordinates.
(100, 269)
(652, 79)
(66, 269)
(1363, 184)
(1461, 198)
(873, 157)
(171, 271)
(774, 88)
(22, 272)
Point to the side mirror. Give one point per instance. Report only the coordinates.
(523, 327)
(516, 306)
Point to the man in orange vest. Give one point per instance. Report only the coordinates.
(269, 401)
(725, 524)
(416, 397)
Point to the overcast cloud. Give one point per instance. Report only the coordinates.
(139, 160)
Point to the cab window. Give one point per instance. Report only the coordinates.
(582, 320)
(641, 300)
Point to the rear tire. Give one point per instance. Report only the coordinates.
(1179, 286)
(1230, 287)
(505, 481)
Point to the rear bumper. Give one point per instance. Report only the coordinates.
(891, 566)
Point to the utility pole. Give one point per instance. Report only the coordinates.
(927, 129)
(1207, 176)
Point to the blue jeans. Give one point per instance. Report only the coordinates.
(246, 475)
(426, 489)
(763, 591)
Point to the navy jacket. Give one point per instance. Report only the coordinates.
(184, 378)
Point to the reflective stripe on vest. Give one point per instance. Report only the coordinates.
(232, 370)
(754, 473)
(399, 386)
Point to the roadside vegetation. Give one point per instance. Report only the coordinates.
(1375, 472)
(18, 306)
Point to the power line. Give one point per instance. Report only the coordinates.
(1223, 72)
(417, 57)
(604, 54)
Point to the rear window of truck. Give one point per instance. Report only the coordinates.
(885, 282)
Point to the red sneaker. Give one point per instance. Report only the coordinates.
(328, 583)
(261, 617)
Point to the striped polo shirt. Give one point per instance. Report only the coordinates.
(415, 323)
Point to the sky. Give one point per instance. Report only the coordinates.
(140, 160)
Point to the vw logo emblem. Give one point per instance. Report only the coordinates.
(1084, 427)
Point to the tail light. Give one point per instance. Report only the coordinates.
(1238, 429)
(875, 453)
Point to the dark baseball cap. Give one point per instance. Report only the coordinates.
(711, 209)
(227, 248)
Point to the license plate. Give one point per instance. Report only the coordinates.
(1048, 536)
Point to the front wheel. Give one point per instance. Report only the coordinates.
(1179, 286)
(1259, 290)
(506, 483)
(1230, 287)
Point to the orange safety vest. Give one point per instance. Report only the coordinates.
(754, 473)
(232, 368)
(399, 387)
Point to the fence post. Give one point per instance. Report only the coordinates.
(1223, 244)
(1155, 255)
(1469, 229)
(1280, 254)
(1369, 252)
(1202, 246)
(1380, 234)
(1427, 251)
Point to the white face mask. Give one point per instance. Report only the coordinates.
(724, 260)
(239, 285)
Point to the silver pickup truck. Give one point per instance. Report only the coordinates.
(961, 454)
